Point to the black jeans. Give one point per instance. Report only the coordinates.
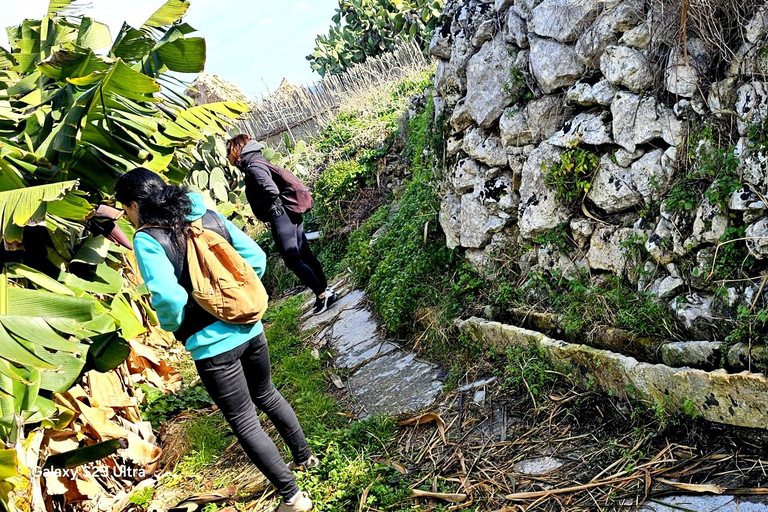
(292, 244)
(240, 378)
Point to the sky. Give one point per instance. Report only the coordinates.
(252, 43)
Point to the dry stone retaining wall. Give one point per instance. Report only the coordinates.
(521, 81)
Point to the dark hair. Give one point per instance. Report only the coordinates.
(160, 204)
(235, 147)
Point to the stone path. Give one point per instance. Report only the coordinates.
(381, 377)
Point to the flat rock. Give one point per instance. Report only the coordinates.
(355, 337)
(353, 300)
(395, 383)
(537, 467)
(719, 503)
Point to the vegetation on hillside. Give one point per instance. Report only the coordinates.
(367, 28)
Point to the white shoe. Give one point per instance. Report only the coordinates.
(299, 503)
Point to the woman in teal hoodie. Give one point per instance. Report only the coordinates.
(231, 359)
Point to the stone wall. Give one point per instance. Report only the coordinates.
(522, 81)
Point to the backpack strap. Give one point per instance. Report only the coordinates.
(195, 317)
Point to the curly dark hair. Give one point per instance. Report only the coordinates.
(160, 204)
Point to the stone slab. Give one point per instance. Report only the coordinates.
(395, 383)
(356, 339)
(719, 396)
(352, 300)
(705, 503)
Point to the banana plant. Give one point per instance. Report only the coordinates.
(77, 109)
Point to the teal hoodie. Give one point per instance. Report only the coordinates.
(169, 297)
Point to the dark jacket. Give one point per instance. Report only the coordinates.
(260, 189)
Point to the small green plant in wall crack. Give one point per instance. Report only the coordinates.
(571, 177)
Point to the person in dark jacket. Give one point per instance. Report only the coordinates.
(265, 197)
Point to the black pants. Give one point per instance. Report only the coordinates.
(240, 378)
(291, 243)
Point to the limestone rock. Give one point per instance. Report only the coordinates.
(606, 251)
(627, 15)
(704, 355)
(580, 94)
(551, 260)
(670, 287)
(741, 357)
(500, 5)
(539, 210)
(537, 467)
(467, 175)
(453, 145)
(745, 199)
(440, 45)
(639, 37)
(487, 73)
(536, 121)
(626, 67)
(639, 120)
(592, 43)
(694, 311)
(722, 95)
(754, 165)
(592, 129)
(450, 209)
(461, 118)
(618, 188)
(498, 194)
(485, 147)
(474, 221)
(757, 27)
(700, 275)
(757, 239)
(736, 399)
(554, 65)
(751, 105)
(514, 128)
(581, 230)
(624, 158)
(517, 30)
(484, 33)
(451, 75)
(524, 8)
(684, 70)
(709, 226)
(563, 20)
(604, 92)
(666, 241)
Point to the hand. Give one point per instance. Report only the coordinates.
(277, 211)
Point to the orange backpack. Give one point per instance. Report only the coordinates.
(223, 283)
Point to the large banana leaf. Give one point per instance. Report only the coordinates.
(21, 207)
(171, 12)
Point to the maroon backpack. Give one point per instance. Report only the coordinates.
(295, 196)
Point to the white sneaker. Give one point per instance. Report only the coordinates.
(299, 503)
